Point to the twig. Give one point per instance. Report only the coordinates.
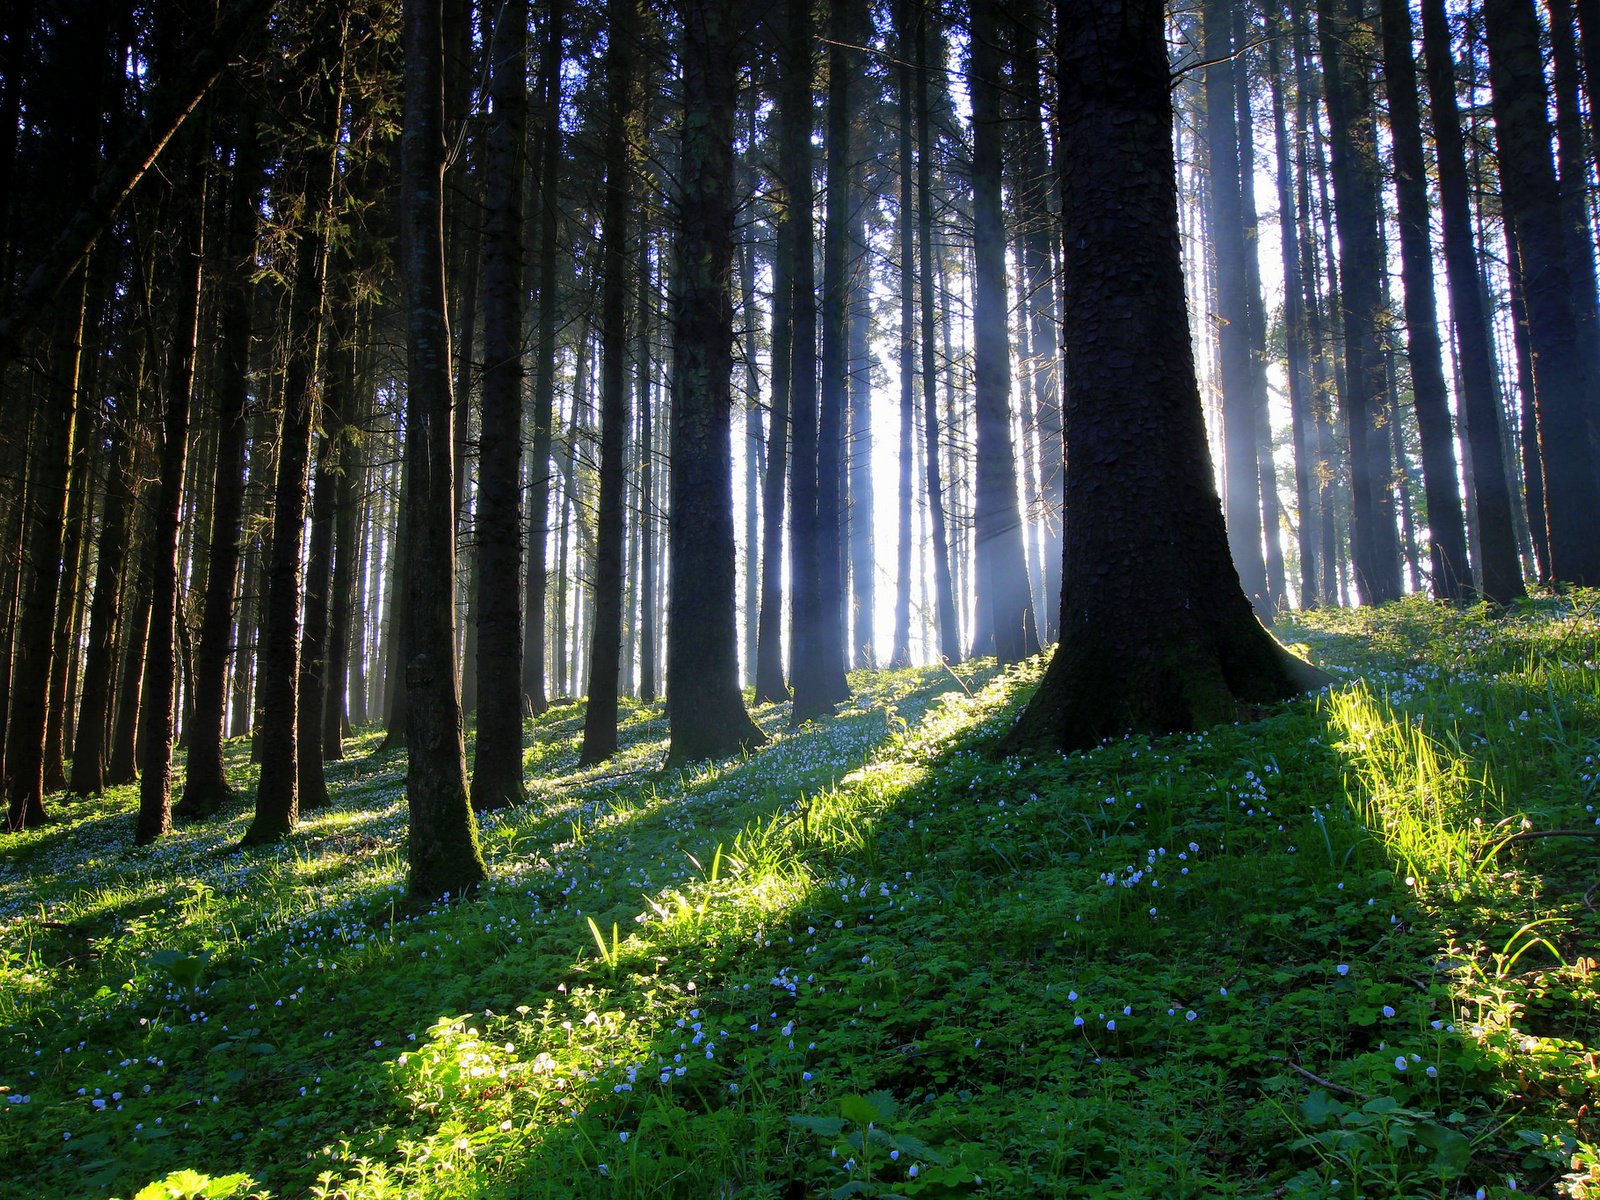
(1318, 1079)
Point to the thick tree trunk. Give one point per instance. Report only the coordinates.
(443, 847)
(1157, 634)
(1005, 610)
(1564, 388)
(497, 767)
(704, 707)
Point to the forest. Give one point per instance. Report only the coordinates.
(534, 535)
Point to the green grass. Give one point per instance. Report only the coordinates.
(1348, 950)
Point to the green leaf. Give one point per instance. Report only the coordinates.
(826, 1126)
(1451, 1151)
(1319, 1108)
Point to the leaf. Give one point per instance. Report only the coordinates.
(825, 1126)
(1451, 1151)
(1319, 1108)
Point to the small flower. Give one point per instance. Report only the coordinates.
(1400, 1063)
(1343, 968)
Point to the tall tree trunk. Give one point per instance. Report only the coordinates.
(900, 649)
(796, 124)
(94, 700)
(830, 657)
(349, 543)
(605, 655)
(1005, 610)
(544, 378)
(205, 785)
(1241, 422)
(1156, 632)
(1499, 571)
(770, 685)
(704, 707)
(497, 767)
(1374, 544)
(277, 807)
(945, 612)
(1035, 239)
(1564, 387)
(863, 592)
(1302, 420)
(442, 850)
(160, 671)
(1451, 573)
(647, 489)
(1255, 316)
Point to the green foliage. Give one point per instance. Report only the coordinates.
(1352, 942)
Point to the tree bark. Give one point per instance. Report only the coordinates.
(704, 707)
(1157, 634)
(1240, 419)
(497, 767)
(278, 793)
(1451, 573)
(160, 673)
(605, 654)
(1006, 622)
(1564, 387)
(1499, 570)
(544, 379)
(205, 784)
(442, 850)
(945, 612)
(1374, 544)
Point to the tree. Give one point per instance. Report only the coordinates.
(205, 783)
(497, 769)
(948, 622)
(826, 670)
(605, 659)
(1241, 419)
(704, 707)
(442, 850)
(187, 214)
(277, 809)
(1157, 634)
(1005, 609)
(544, 378)
(1565, 392)
(1345, 40)
(1452, 576)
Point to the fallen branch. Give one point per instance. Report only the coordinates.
(1318, 1079)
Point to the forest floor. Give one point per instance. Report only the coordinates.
(1347, 950)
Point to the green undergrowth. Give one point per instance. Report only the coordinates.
(1347, 950)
